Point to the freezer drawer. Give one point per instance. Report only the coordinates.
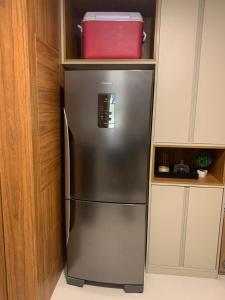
(107, 242)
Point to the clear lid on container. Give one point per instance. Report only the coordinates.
(113, 16)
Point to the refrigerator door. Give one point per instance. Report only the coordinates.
(109, 119)
(107, 242)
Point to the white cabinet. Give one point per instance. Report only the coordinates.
(166, 224)
(175, 70)
(190, 83)
(184, 230)
(203, 224)
(210, 110)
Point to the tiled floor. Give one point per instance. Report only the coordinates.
(157, 287)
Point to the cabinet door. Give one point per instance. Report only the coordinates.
(166, 216)
(210, 120)
(203, 224)
(176, 70)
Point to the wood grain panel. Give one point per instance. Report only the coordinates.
(47, 22)
(41, 16)
(49, 214)
(53, 20)
(47, 79)
(3, 287)
(209, 181)
(72, 34)
(218, 167)
(51, 238)
(47, 56)
(52, 260)
(51, 209)
(30, 151)
(16, 157)
(49, 113)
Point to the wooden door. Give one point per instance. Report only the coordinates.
(30, 152)
(174, 84)
(166, 219)
(203, 225)
(47, 109)
(210, 120)
(16, 151)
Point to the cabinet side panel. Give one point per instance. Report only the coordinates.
(44, 43)
(167, 204)
(50, 157)
(203, 225)
(177, 46)
(16, 152)
(210, 121)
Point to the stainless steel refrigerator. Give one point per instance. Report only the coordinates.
(107, 148)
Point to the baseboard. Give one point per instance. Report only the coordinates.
(182, 271)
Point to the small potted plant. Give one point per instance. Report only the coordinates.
(203, 162)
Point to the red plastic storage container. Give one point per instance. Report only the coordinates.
(112, 35)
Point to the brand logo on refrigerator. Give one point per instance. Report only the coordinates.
(106, 83)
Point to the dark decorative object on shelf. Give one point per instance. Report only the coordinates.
(181, 168)
(191, 175)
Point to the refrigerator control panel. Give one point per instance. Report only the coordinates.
(106, 110)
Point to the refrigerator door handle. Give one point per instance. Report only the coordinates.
(67, 208)
(67, 174)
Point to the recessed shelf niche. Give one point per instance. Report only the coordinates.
(73, 12)
(216, 172)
